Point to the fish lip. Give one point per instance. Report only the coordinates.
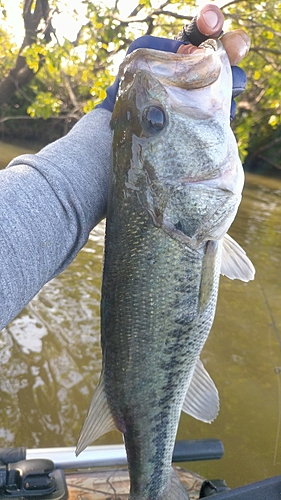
(187, 71)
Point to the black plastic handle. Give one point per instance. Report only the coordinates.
(198, 449)
(11, 455)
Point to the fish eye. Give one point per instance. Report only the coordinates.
(153, 119)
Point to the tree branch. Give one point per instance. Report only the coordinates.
(54, 117)
(155, 13)
(233, 2)
(270, 162)
(21, 74)
(266, 49)
(71, 94)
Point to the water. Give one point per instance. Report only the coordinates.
(50, 354)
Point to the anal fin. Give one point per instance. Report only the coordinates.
(99, 419)
(202, 398)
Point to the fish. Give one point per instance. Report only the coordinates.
(175, 187)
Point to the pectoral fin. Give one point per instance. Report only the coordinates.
(202, 399)
(234, 263)
(99, 420)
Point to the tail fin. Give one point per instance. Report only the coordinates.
(175, 490)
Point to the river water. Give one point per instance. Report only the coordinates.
(50, 354)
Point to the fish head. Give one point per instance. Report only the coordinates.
(172, 118)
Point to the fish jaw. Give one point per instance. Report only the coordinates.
(181, 70)
(198, 84)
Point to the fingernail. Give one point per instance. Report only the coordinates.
(211, 19)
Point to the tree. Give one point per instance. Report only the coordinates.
(69, 79)
(21, 73)
(258, 122)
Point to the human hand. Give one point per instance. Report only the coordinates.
(208, 24)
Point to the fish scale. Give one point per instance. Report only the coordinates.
(153, 332)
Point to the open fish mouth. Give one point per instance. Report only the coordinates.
(186, 71)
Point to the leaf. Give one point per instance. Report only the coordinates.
(273, 120)
(77, 72)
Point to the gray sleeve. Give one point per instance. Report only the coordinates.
(49, 202)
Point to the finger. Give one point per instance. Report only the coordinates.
(188, 49)
(210, 21)
(237, 45)
(208, 24)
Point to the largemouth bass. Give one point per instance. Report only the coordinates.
(176, 185)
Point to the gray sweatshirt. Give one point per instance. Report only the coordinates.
(49, 202)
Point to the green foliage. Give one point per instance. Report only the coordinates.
(44, 105)
(7, 53)
(259, 106)
(71, 75)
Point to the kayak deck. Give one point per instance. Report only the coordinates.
(113, 484)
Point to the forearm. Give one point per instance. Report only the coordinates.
(49, 202)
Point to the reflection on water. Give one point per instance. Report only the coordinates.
(9, 151)
(50, 355)
(243, 350)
